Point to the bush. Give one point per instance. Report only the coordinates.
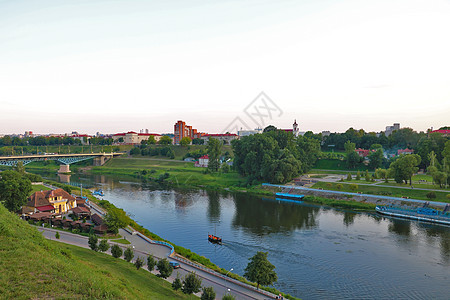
(57, 236)
(151, 263)
(339, 186)
(116, 251)
(139, 263)
(349, 177)
(228, 297)
(128, 254)
(447, 196)
(164, 268)
(103, 246)
(176, 284)
(208, 294)
(431, 195)
(93, 239)
(353, 187)
(358, 176)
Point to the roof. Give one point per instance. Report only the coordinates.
(221, 134)
(445, 131)
(80, 210)
(205, 157)
(101, 228)
(38, 199)
(45, 208)
(97, 219)
(41, 215)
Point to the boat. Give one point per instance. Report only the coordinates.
(214, 239)
(98, 192)
(424, 213)
(290, 196)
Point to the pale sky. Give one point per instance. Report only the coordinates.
(114, 66)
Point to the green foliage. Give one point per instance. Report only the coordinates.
(447, 196)
(198, 141)
(260, 270)
(176, 284)
(116, 218)
(339, 186)
(353, 159)
(349, 147)
(165, 140)
(228, 297)
(14, 190)
(151, 263)
(185, 141)
(367, 176)
(376, 159)
(349, 177)
(116, 251)
(353, 187)
(103, 246)
(404, 167)
(208, 293)
(151, 140)
(57, 236)
(214, 150)
(139, 263)
(93, 240)
(128, 254)
(164, 268)
(358, 176)
(191, 284)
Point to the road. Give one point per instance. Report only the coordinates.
(142, 248)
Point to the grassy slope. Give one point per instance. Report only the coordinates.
(33, 267)
(383, 190)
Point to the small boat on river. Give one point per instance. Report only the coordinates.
(214, 239)
(424, 213)
(98, 192)
(289, 196)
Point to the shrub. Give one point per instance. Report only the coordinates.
(349, 177)
(151, 263)
(139, 263)
(176, 284)
(353, 187)
(116, 251)
(128, 254)
(208, 294)
(93, 239)
(57, 236)
(103, 246)
(358, 176)
(228, 297)
(339, 186)
(431, 195)
(447, 196)
(191, 284)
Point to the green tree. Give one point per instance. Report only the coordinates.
(165, 140)
(260, 270)
(103, 246)
(115, 219)
(19, 168)
(198, 141)
(358, 176)
(191, 284)
(138, 263)
(116, 251)
(151, 140)
(376, 159)
(176, 284)
(57, 236)
(93, 240)
(128, 254)
(151, 263)
(270, 128)
(214, 149)
(404, 167)
(164, 268)
(14, 190)
(185, 141)
(431, 195)
(349, 147)
(228, 297)
(381, 173)
(353, 159)
(208, 293)
(349, 177)
(367, 176)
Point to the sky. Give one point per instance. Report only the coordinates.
(113, 66)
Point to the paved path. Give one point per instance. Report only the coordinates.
(143, 248)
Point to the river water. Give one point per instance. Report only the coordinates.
(319, 253)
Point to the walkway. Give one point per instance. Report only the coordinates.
(143, 248)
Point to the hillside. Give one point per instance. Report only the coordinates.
(33, 267)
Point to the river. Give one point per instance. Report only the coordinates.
(319, 252)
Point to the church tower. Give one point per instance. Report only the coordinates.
(295, 128)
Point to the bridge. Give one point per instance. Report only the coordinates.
(65, 159)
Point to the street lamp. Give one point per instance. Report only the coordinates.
(226, 281)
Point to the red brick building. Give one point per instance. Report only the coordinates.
(181, 130)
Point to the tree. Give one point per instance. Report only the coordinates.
(93, 239)
(376, 159)
(208, 294)
(270, 128)
(151, 263)
(176, 284)
(358, 176)
(185, 141)
(57, 236)
(404, 167)
(128, 254)
(14, 190)
(115, 219)
(164, 268)
(353, 159)
(349, 147)
(367, 176)
(431, 195)
(103, 246)
(19, 168)
(151, 140)
(260, 270)
(139, 263)
(228, 297)
(381, 173)
(198, 141)
(214, 149)
(349, 177)
(165, 140)
(116, 251)
(191, 284)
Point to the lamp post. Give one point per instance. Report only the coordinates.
(226, 281)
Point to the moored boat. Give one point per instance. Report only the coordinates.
(290, 196)
(214, 239)
(98, 192)
(421, 214)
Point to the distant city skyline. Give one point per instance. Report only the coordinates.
(111, 67)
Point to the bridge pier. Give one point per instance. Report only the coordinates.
(101, 160)
(64, 169)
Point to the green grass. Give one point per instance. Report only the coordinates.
(37, 188)
(335, 164)
(121, 241)
(32, 267)
(348, 204)
(383, 190)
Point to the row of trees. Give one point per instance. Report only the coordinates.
(52, 141)
(275, 155)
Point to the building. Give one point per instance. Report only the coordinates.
(58, 201)
(133, 138)
(444, 132)
(390, 129)
(84, 138)
(405, 151)
(362, 152)
(202, 162)
(242, 133)
(181, 130)
(294, 130)
(225, 138)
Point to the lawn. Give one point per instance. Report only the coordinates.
(37, 188)
(335, 164)
(32, 267)
(383, 190)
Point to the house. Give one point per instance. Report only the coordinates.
(202, 162)
(134, 138)
(81, 212)
(225, 138)
(57, 201)
(405, 151)
(96, 219)
(444, 132)
(362, 152)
